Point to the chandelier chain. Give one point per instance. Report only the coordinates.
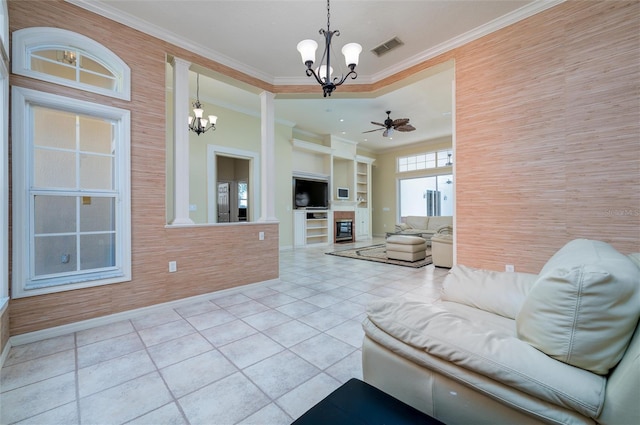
(328, 15)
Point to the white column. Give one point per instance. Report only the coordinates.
(268, 158)
(181, 141)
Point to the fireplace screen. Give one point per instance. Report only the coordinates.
(344, 230)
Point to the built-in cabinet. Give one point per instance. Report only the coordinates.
(338, 163)
(312, 227)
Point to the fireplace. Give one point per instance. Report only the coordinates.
(343, 225)
(344, 230)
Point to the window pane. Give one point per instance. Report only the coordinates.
(97, 251)
(56, 129)
(55, 254)
(96, 172)
(54, 214)
(57, 68)
(94, 66)
(431, 160)
(54, 169)
(97, 80)
(443, 158)
(445, 186)
(96, 135)
(412, 200)
(97, 214)
(242, 195)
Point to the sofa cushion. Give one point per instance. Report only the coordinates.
(496, 292)
(416, 221)
(483, 343)
(584, 306)
(436, 222)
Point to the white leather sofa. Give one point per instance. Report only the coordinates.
(560, 347)
(424, 226)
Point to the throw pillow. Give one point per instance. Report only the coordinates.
(584, 306)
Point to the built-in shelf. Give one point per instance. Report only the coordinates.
(362, 184)
(311, 227)
(337, 161)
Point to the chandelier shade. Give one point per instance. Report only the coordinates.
(307, 49)
(351, 54)
(322, 74)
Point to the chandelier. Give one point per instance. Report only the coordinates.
(198, 124)
(322, 74)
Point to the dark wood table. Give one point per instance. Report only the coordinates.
(358, 403)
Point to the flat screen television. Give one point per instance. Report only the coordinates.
(309, 193)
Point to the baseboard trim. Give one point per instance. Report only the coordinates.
(5, 352)
(56, 331)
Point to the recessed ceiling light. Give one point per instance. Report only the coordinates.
(341, 119)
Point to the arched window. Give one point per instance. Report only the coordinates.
(70, 59)
(71, 166)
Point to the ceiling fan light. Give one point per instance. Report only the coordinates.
(351, 53)
(307, 49)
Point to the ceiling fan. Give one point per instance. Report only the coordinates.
(389, 126)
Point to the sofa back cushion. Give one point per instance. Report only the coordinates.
(416, 221)
(584, 306)
(436, 222)
(496, 292)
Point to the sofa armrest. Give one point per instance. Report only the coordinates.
(497, 292)
(445, 230)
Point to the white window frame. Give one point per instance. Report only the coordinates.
(28, 40)
(4, 156)
(22, 146)
(421, 164)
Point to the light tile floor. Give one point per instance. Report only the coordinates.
(263, 354)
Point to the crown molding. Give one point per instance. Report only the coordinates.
(161, 33)
(476, 33)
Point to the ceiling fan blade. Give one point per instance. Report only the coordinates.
(377, 123)
(377, 129)
(407, 127)
(400, 121)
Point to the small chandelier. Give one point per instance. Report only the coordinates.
(67, 56)
(322, 74)
(198, 124)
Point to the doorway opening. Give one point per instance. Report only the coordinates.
(232, 189)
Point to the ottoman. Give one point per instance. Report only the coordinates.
(442, 250)
(406, 248)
